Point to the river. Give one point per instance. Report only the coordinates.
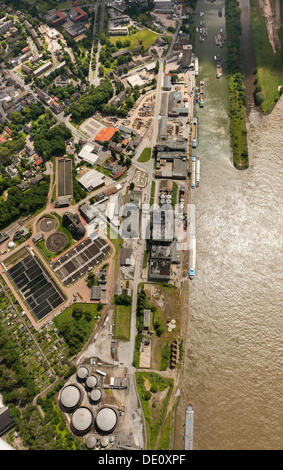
(232, 371)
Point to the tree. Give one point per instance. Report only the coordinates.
(146, 395)
(77, 313)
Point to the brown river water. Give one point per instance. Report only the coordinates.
(233, 370)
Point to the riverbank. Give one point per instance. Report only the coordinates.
(268, 54)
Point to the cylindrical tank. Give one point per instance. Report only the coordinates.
(95, 395)
(91, 382)
(106, 420)
(70, 398)
(104, 441)
(82, 373)
(82, 420)
(91, 441)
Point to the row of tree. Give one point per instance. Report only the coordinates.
(236, 87)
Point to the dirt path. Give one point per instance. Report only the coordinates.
(271, 11)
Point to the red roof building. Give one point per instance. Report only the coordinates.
(59, 19)
(8, 130)
(77, 14)
(38, 162)
(2, 139)
(125, 142)
(105, 134)
(120, 173)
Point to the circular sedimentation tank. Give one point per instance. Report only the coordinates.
(82, 373)
(106, 419)
(70, 397)
(95, 395)
(91, 382)
(82, 420)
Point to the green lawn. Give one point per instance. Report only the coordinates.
(144, 37)
(122, 323)
(269, 65)
(152, 193)
(145, 259)
(174, 194)
(67, 314)
(145, 155)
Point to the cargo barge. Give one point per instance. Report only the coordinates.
(195, 133)
(189, 427)
(218, 70)
(192, 265)
(197, 172)
(193, 174)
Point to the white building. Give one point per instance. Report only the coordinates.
(135, 80)
(89, 153)
(92, 180)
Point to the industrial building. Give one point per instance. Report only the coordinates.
(167, 85)
(92, 180)
(89, 153)
(187, 55)
(105, 134)
(135, 80)
(176, 107)
(163, 6)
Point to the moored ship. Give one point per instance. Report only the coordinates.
(192, 264)
(189, 427)
(193, 174)
(195, 132)
(218, 70)
(197, 172)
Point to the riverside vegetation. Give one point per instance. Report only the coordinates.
(236, 87)
(269, 66)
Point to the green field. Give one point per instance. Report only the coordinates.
(150, 386)
(145, 37)
(123, 322)
(145, 155)
(76, 329)
(269, 66)
(67, 314)
(43, 6)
